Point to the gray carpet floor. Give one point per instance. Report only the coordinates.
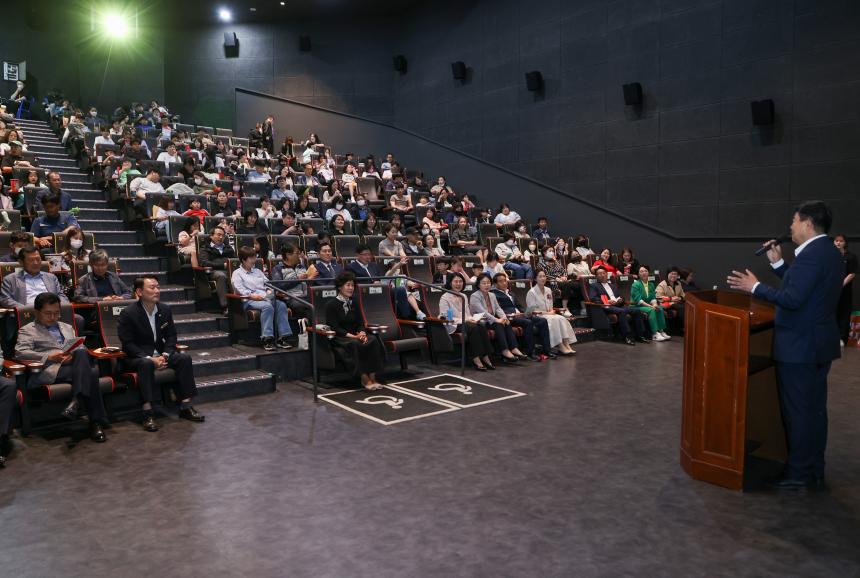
(579, 478)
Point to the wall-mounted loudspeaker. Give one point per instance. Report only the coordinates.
(762, 112)
(400, 64)
(534, 80)
(633, 94)
(231, 45)
(305, 43)
(458, 69)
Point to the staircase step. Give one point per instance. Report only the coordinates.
(233, 385)
(58, 163)
(126, 237)
(130, 276)
(73, 177)
(89, 203)
(98, 214)
(221, 360)
(139, 264)
(45, 150)
(180, 307)
(122, 249)
(206, 340)
(85, 195)
(187, 324)
(92, 225)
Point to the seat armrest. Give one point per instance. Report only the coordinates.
(182, 347)
(237, 296)
(411, 323)
(377, 329)
(328, 334)
(100, 354)
(33, 366)
(204, 269)
(13, 368)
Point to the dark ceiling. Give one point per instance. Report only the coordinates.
(203, 11)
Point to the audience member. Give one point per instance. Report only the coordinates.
(530, 324)
(845, 306)
(512, 258)
(557, 278)
(148, 336)
(670, 292)
(250, 282)
(644, 296)
(44, 227)
(541, 232)
(292, 269)
(627, 263)
(325, 267)
(55, 187)
(484, 302)
(352, 345)
(364, 267)
(605, 260)
(73, 247)
(20, 289)
(17, 241)
(605, 294)
(463, 239)
(539, 301)
(213, 255)
(475, 335)
(506, 216)
(100, 284)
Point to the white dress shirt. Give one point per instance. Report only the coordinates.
(797, 252)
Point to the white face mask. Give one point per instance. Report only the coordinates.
(510, 243)
(361, 202)
(550, 255)
(198, 181)
(426, 231)
(237, 189)
(339, 206)
(532, 248)
(76, 243)
(94, 113)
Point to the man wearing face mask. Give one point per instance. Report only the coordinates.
(17, 241)
(201, 185)
(95, 122)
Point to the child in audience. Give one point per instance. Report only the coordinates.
(196, 210)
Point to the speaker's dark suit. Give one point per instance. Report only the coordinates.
(806, 341)
(138, 342)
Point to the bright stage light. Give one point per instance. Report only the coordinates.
(225, 15)
(116, 25)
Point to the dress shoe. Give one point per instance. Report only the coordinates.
(535, 357)
(521, 356)
(479, 367)
(71, 411)
(97, 434)
(643, 340)
(490, 366)
(551, 355)
(509, 360)
(149, 424)
(788, 484)
(629, 341)
(191, 414)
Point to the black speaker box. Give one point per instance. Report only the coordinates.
(458, 69)
(534, 80)
(633, 94)
(305, 43)
(400, 63)
(230, 40)
(762, 112)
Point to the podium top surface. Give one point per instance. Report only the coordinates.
(761, 312)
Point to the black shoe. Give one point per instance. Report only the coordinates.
(71, 411)
(509, 360)
(149, 424)
(97, 434)
(643, 340)
(789, 484)
(191, 414)
(490, 366)
(283, 343)
(269, 343)
(534, 357)
(521, 356)
(629, 341)
(551, 355)
(479, 367)
(2, 462)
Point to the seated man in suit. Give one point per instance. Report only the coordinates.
(614, 304)
(17, 241)
(45, 340)
(325, 268)
(214, 254)
(148, 336)
(8, 401)
(21, 289)
(100, 284)
(365, 266)
(530, 325)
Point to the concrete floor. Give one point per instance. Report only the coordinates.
(579, 478)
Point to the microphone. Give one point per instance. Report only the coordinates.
(779, 241)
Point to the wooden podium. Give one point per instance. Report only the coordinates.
(731, 425)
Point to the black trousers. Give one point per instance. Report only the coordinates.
(85, 383)
(503, 335)
(636, 318)
(300, 310)
(7, 404)
(803, 400)
(843, 313)
(361, 357)
(533, 326)
(478, 342)
(184, 385)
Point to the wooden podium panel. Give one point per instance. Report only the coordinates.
(729, 408)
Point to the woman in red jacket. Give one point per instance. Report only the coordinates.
(603, 260)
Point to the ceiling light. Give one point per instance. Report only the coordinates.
(225, 15)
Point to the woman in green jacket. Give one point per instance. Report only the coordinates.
(644, 296)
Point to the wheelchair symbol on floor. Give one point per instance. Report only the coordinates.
(389, 400)
(458, 387)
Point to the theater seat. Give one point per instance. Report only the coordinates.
(378, 310)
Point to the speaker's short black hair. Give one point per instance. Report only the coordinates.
(818, 212)
(45, 298)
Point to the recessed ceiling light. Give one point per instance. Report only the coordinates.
(283, 3)
(225, 15)
(253, 9)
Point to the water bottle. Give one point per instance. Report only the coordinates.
(450, 313)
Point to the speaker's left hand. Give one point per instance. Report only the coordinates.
(742, 280)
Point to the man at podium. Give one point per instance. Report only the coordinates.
(806, 337)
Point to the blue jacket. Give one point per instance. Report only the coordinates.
(805, 326)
